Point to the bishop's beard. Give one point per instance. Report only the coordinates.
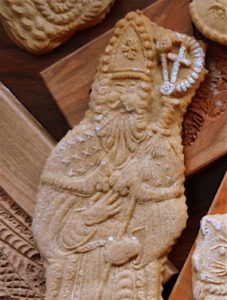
(121, 133)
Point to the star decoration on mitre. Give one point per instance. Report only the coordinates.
(130, 53)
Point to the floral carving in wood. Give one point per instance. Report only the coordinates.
(210, 101)
(21, 268)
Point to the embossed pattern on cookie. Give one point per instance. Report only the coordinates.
(42, 25)
(210, 17)
(111, 201)
(209, 260)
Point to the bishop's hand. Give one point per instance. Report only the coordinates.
(125, 180)
(103, 207)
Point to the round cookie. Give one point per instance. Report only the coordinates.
(210, 17)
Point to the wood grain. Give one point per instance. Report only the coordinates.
(70, 79)
(25, 146)
(183, 286)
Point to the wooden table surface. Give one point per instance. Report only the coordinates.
(19, 71)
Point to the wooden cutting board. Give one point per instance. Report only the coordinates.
(205, 126)
(183, 286)
(24, 148)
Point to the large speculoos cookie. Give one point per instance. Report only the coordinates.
(111, 200)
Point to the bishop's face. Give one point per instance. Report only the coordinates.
(121, 116)
(129, 96)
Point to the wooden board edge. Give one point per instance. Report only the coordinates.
(15, 103)
(13, 189)
(195, 165)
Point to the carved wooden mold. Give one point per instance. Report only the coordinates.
(210, 101)
(42, 25)
(21, 268)
(209, 261)
(111, 200)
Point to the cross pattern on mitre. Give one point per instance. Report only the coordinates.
(171, 83)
